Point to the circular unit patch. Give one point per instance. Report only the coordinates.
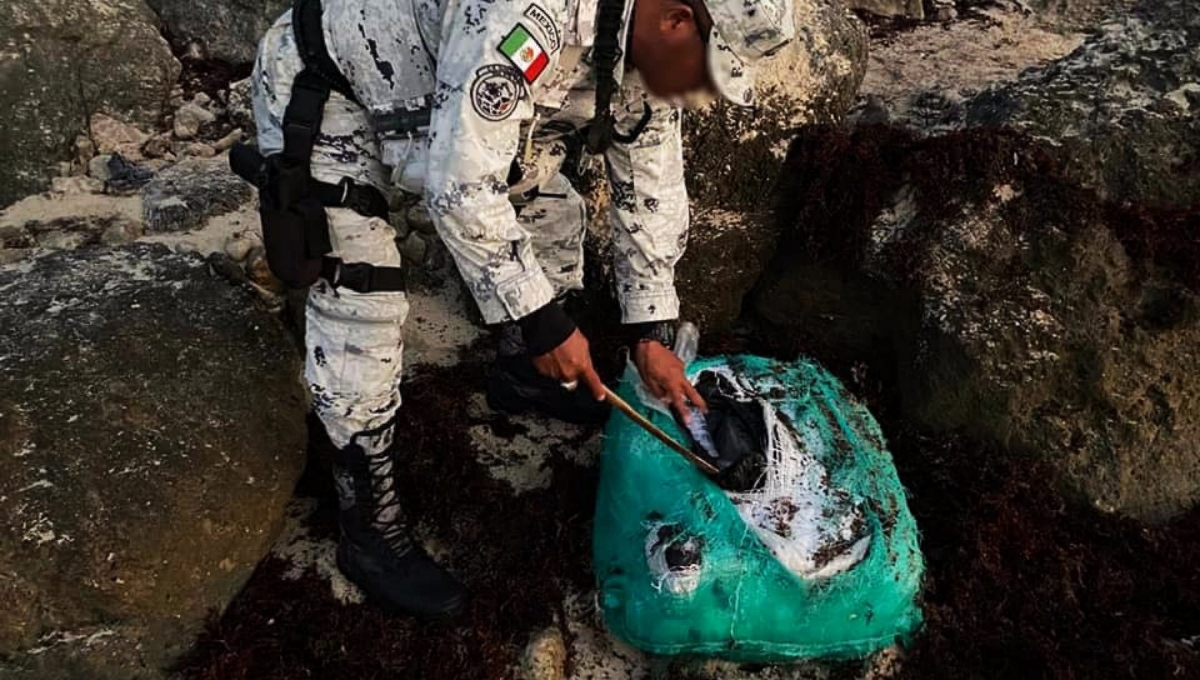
(496, 92)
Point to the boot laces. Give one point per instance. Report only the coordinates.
(387, 517)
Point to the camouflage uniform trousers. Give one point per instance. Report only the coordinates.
(354, 341)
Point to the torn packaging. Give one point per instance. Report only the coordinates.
(770, 471)
(731, 432)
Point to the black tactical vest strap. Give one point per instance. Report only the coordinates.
(310, 40)
(605, 53)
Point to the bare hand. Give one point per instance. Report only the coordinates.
(662, 373)
(571, 362)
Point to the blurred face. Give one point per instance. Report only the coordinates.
(668, 47)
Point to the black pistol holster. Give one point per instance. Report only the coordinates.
(291, 203)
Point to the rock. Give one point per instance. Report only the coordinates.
(226, 143)
(113, 136)
(121, 233)
(238, 246)
(85, 148)
(418, 218)
(545, 657)
(11, 255)
(226, 30)
(923, 75)
(76, 185)
(185, 195)
(413, 248)
(1000, 298)
(98, 167)
(400, 223)
(63, 61)
(69, 233)
(62, 240)
(1077, 15)
(189, 118)
(157, 146)
(14, 236)
(1131, 147)
(239, 106)
(946, 12)
(200, 150)
(726, 254)
(912, 9)
(125, 177)
(145, 460)
(259, 271)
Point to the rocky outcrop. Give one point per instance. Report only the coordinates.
(1124, 105)
(185, 195)
(913, 9)
(999, 298)
(226, 30)
(151, 433)
(1080, 15)
(61, 61)
(1022, 267)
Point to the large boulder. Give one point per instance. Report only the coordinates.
(1001, 299)
(1124, 105)
(151, 433)
(227, 30)
(1028, 274)
(61, 61)
(185, 195)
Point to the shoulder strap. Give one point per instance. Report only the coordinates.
(605, 53)
(310, 39)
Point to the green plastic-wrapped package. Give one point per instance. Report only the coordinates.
(818, 557)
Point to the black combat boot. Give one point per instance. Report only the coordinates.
(515, 386)
(377, 551)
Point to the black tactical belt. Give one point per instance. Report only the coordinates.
(361, 277)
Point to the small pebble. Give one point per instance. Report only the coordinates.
(200, 150)
(545, 657)
(98, 167)
(238, 247)
(413, 248)
(419, 219)
(260, 272)
(122, 232)
(227, 142)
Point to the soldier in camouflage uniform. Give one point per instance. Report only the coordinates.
(503, 83)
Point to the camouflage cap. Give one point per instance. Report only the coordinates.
(744, 32)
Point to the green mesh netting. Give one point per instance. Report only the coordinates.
(739, 602)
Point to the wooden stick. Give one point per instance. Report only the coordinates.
(653, 429)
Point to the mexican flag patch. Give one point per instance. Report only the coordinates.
(525, 52)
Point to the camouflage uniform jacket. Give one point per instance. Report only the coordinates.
(504, 80)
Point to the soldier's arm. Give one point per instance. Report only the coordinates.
(482, 97)
(649, 213)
